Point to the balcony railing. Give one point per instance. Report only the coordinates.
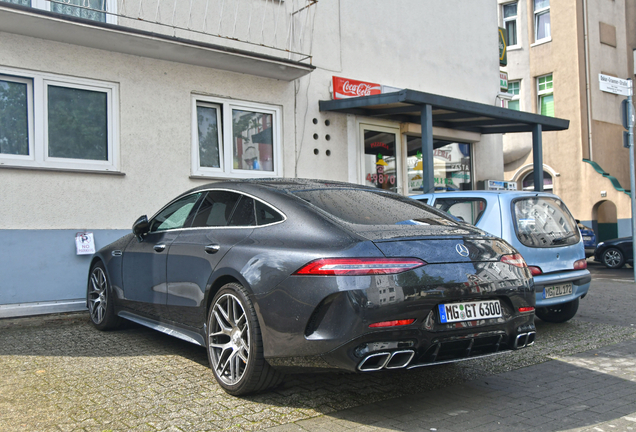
(279, 28)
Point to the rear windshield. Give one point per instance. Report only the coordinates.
(365, 207)
(544, 222)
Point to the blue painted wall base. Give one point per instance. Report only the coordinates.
(42, 266)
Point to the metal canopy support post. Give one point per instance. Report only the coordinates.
(537, 157)
(428, 171)
(632, 181)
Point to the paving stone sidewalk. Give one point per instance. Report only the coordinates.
(591, 391)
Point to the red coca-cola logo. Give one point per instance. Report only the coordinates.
(346, 88)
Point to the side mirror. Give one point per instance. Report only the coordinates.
(141, 226)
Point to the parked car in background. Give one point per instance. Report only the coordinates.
(276, 275)
(589, 238)
(541, 228)
(615, 253)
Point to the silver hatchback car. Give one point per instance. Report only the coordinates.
(541, 228)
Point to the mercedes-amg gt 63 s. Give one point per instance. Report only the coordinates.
(273, 276)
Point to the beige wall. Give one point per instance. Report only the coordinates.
(564, 56)
(155, 134)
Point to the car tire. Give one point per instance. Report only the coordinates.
(613, 258)
(99, 299)
(235, 345)
(558, 313)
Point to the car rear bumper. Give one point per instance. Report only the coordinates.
(333, 331)
(580, 280)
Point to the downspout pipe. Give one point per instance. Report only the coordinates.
(588, 97)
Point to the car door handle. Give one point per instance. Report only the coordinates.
(212, 248)
(159, 247)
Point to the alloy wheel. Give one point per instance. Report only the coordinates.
(612, 258)
(98, 295)
(229, 340)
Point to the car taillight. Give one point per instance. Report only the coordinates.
(580, 264)
(526, 309)
(392, 323)
(359, 266)
(514, 260)
(536, 271)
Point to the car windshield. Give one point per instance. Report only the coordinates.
(364, 207)
(544, 222)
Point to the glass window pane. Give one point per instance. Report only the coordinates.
(20, 2)
(513, 105)
(544, 222)
(266, 215)
(207, 118)
(511, 32)
(467, 209)
(368, 207)
(510, 10)
(379, 159)
(540, 4)
(175, 215)
(452, 166)
(78, 123)
(243, 213)
(14, 127)
(253, 140)
(547, 105)
(542, 24)
(88, 9)
(513, 87)
(216, 209)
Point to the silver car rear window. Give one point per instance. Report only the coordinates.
(544, 222)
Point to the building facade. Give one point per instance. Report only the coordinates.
(557, 53)
(110, 108)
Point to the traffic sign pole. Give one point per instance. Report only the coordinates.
(632, 192)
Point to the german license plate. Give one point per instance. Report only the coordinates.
(455, 312)
(557, 290)
(587, 238)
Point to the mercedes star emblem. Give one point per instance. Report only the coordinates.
(462, 250)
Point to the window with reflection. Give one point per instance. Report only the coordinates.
(380, 154)
(451, 164)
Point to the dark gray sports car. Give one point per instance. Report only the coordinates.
(276, 275)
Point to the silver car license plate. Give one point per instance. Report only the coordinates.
(557, 290)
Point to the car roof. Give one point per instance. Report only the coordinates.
(288, 185)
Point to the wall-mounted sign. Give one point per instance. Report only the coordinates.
(84, 243)
(503, 81)
(613, 85)
(503, 47)
(344, 88)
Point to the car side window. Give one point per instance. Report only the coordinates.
(243, 213)
(266, 215)
(175, 215)
(216, 209)
(467, 209)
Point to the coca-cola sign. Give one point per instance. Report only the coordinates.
(347, 88)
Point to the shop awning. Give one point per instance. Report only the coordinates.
(410, 106)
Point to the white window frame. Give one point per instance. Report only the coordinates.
(546, 92)
(111, 7)
(226, 138)
(37, 109)
(537, 13)
(510, 19)
(515, 97)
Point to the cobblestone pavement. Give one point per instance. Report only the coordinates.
(59, 374)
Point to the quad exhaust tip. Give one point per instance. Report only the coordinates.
(386, 360)
(524, 340)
